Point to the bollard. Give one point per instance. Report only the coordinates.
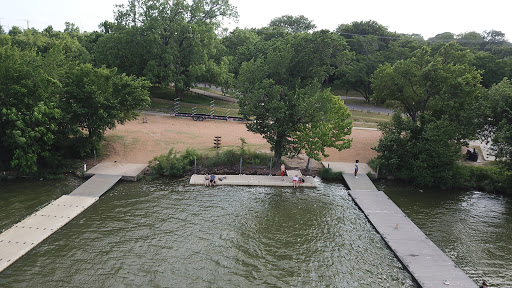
(85, 167)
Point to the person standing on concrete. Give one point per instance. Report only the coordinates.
(356, 168)
(295, 181)
(283, 170)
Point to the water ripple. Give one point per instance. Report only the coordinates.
(170, 234)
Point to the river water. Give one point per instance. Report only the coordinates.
(169, 234)
(474, 229)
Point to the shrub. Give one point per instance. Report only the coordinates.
(171, 164)
(328, 175)
(174, 165)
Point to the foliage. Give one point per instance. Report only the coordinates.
(49, 102)
(293, 24)
(102, 92)
(171, 164)
(169, 42)
(328, 175)
(175, 165)
(28, 110)
(497, 118)
(438, 94)
(280, 91)
(492, 178)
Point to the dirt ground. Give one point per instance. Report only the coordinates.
(139, 142)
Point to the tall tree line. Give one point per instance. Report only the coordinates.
(281, 74)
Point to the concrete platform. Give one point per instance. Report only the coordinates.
(22, 237)
(96, 186)
(347, 167)
(361, 183)
(126, 170)
(292, 173)
(254, 180)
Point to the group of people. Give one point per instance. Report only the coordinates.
(209, 180)
(297, 181)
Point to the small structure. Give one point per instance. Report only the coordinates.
(216, 142)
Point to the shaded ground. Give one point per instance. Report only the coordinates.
(138, 142)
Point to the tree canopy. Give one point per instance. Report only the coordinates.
(51, 104)
(438, 92)
(168, 42)
(497, 118)
(281, 92)
(293, 24)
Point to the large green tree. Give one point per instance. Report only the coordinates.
(28, 110)
(95, 100)
(280, 91)
(497, 118)
(51, 105)
(293, 24)
(169, 42)
(437, 94)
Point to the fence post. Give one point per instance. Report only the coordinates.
(270, 167)
(195, 164)
(240, 165)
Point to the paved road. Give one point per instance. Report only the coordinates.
(234, 100)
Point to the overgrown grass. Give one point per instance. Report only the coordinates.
(496, 177)
(162, 100)
(368, 119)
(175, 165)
(328, 175)
(342, 92)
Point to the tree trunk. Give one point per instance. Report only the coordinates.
(179, 93)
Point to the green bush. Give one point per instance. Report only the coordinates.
(328, 175)
(492, 178)
(171, 164)
(175, 165)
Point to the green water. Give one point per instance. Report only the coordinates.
(474, 229)
(170, 234)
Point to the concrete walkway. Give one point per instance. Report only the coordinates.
(127, 171)
(424, 260)
(27, 234)
(254, 180)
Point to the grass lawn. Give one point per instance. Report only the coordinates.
(162, 100)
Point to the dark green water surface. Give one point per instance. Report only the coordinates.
(169, 234)
(472, 228)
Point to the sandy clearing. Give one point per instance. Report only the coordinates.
(138, 142)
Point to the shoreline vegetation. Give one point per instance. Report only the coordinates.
(491, 177)
(64, 92)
